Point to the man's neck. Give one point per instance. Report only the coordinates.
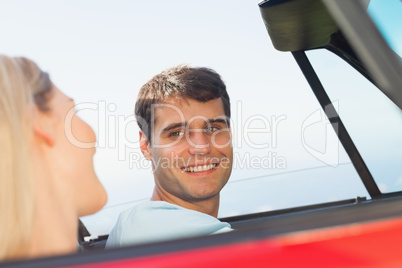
(208, 206)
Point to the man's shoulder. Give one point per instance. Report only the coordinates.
(149, 209)
(161, 213)
(158, 220)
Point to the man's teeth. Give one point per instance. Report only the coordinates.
(199, 168)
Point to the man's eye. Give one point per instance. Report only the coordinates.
(211, 129)
(176, 133)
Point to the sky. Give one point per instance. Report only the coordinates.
(101, 52)
(384, 14)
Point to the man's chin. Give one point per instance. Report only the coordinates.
(203, 196)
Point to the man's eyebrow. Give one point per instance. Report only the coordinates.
(218, 120)
(174, 125)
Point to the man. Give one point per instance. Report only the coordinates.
(184, 119)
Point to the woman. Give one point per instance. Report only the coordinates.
(47, 177)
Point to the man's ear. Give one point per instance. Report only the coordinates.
(42, 128)
(145, 146)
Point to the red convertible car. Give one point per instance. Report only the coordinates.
(364, 231)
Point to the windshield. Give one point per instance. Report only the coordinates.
(372, 120)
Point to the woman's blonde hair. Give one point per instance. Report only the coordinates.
(22, 86)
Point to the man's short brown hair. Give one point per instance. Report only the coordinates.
(196, 83)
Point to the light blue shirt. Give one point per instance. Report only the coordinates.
(158, 220)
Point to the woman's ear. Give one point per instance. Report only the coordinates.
(145, 146)
(42, 127)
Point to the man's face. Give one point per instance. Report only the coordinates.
(191, 149)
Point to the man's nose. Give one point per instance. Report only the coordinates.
(199, 143)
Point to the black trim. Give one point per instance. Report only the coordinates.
(391, 195)
(365, 211)
(341, 47)
(235, 220)
(337, 124)
(270, 3)
(82, 231)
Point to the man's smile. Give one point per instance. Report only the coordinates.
(200, 168)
